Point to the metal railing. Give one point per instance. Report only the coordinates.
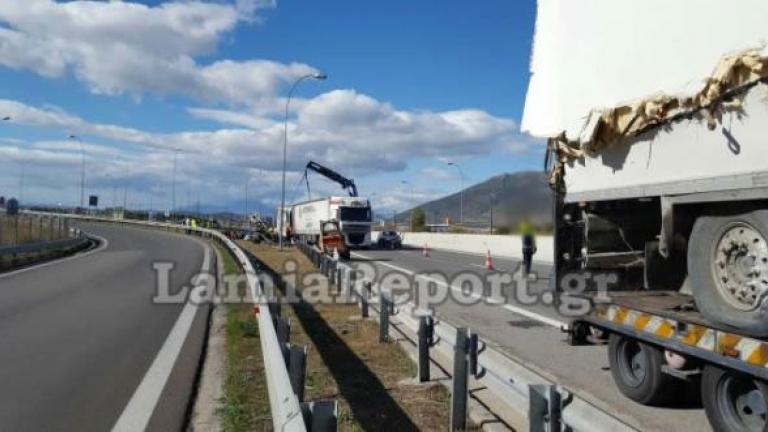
(288, 411)
(542, 404)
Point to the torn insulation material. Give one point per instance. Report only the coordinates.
(616, 126)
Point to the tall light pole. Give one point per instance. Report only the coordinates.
(173, 182)
(492, 198)
(461, 193)
(316, 76)
(246, 196)
(82, 169)
(21, 182)
(410, 214)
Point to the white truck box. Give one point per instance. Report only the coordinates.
(352, 213)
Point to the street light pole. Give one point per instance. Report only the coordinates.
(492, 197)
(461, 193)
(410, 214)
(316, 76)
(82, 169)
(173, 183)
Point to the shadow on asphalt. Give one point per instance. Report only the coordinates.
(359, 259)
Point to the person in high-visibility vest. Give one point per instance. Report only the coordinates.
(194, 223)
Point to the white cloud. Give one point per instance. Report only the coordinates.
(123, 47)
(433, 174)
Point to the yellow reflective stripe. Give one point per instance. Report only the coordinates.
(665, 330)
(695, 333)
(642, 321)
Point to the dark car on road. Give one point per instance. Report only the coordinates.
(390, 240)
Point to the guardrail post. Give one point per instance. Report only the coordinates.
(364, 296)
(351, 281)
(473, 352)
(384, 312)
(322, 265)
(460, 392)
(283, 330)
(297, 369)
(320, 416)
(275, 309)
(544, 410)
(339, 277)
(426, 335)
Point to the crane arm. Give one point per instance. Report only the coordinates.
(330, 174)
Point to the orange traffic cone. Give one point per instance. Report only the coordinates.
(425, 251)
(488, 260)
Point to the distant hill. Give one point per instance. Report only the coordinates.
(517, 196)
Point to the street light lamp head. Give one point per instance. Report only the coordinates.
(320, 76)
(7, 118)
(451, 163)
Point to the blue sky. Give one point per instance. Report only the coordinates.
(411, 85)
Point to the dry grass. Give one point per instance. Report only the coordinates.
(372, 381)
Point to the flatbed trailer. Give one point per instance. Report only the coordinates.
(657, 341)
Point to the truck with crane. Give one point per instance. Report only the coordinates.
(353, 213)
(655, 149)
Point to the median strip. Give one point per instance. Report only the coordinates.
(372, 381)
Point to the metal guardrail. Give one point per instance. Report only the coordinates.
(544, 405)
(38, 247)
(288, 413)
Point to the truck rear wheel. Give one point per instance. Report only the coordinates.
(734, 401)
(728, 269)
(637, 370)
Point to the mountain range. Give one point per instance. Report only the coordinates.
(513, 197)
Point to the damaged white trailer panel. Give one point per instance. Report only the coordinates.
(595, 54)
(637, 95)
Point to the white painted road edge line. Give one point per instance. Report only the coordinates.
(518, 310)
(137, 413)
(103, 243)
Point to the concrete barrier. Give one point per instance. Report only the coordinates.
(506, 246)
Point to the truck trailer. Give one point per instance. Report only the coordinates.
(353, 214)
(655, 115)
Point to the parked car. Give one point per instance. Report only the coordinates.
(390, 240)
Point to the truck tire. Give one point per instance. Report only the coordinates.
(733, 401)
(728, 270)
(636, 368)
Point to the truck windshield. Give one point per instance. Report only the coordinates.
(355, 214)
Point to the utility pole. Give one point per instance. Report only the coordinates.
(317, 76)
(21, 183)
(173, 186)
(492, 197)
(461, 196)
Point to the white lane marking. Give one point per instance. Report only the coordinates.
(103, 245)
(515, 309)
(137, 413)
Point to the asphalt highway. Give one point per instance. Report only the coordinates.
(529, 334)
(84, 348)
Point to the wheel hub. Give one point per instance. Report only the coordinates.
(741, 266)
(742, 404)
